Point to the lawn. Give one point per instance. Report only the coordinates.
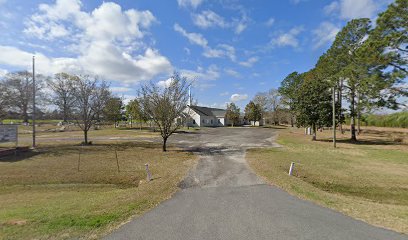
(368, 180)
(44, 196)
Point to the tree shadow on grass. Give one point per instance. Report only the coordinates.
(19, 156)
(187, 132)
(363, 141)
(275, 126)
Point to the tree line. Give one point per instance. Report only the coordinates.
(88, 101)
(364, 69)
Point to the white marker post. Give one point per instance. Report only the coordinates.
(149, 176)
(292, 166)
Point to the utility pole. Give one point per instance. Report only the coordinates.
(334, 117)
(33, 102)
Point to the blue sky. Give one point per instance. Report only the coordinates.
(231, 49)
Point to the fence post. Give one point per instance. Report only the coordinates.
(149, 176)
(117, 160)
(292, 167)
(79, 158)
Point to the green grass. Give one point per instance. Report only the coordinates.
(399, 119)
(44, 196)
(353, 178)
(19, 121)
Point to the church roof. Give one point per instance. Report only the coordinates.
(206, 111)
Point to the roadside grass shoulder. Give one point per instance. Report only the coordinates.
(44, 196)
(368, 181)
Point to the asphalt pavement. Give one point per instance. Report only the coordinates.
(221, 198)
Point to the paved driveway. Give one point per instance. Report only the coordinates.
(223, 199)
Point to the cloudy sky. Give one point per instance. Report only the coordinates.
(231, 49)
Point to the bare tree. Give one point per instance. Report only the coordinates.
(261, 99)
(166, 105)
(19, 86)
(274, 104)
(63, 98)
(4, 101)
(91, 96)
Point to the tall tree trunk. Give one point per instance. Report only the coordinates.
(291, 120)
(340, 99)
(25, 118)
(314, 132)
(85, 137)
(358, 113)
(65, 117)
(353, 116)
(25, 114)
(164, 144)
(65, 113)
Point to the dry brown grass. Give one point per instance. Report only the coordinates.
(44, 196)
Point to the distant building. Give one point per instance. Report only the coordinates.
(198, 116)
(206, 117)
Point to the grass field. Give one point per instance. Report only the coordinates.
(368, 180)
(44, 196)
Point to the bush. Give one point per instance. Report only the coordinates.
(399, 119)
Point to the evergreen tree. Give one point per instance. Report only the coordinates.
(232, 114)
(253, 112)
(314, 103)
(288, 91)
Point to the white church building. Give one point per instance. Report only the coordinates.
(198, 116)
(205, 117)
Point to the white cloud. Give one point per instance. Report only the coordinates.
(295, 2)
(250, 62)
(241, 26)
(121, 89)
(194, 38)
(165, 83)
(207, 19)
(242, 23)
(222, 50)
(331, 8)
(238, 97)
(288, 39)
(351, 9)
(212, 73)
(232, 72)
(270, 22)
(224, 93)
(104, 61)
(3, 72)
(107, 41)
(325, 33)
(189, 3)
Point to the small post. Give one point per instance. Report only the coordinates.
(292, 166)
(334, 117)
(117, 160)
(149, 176)
(79, 159)
(16, 151)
